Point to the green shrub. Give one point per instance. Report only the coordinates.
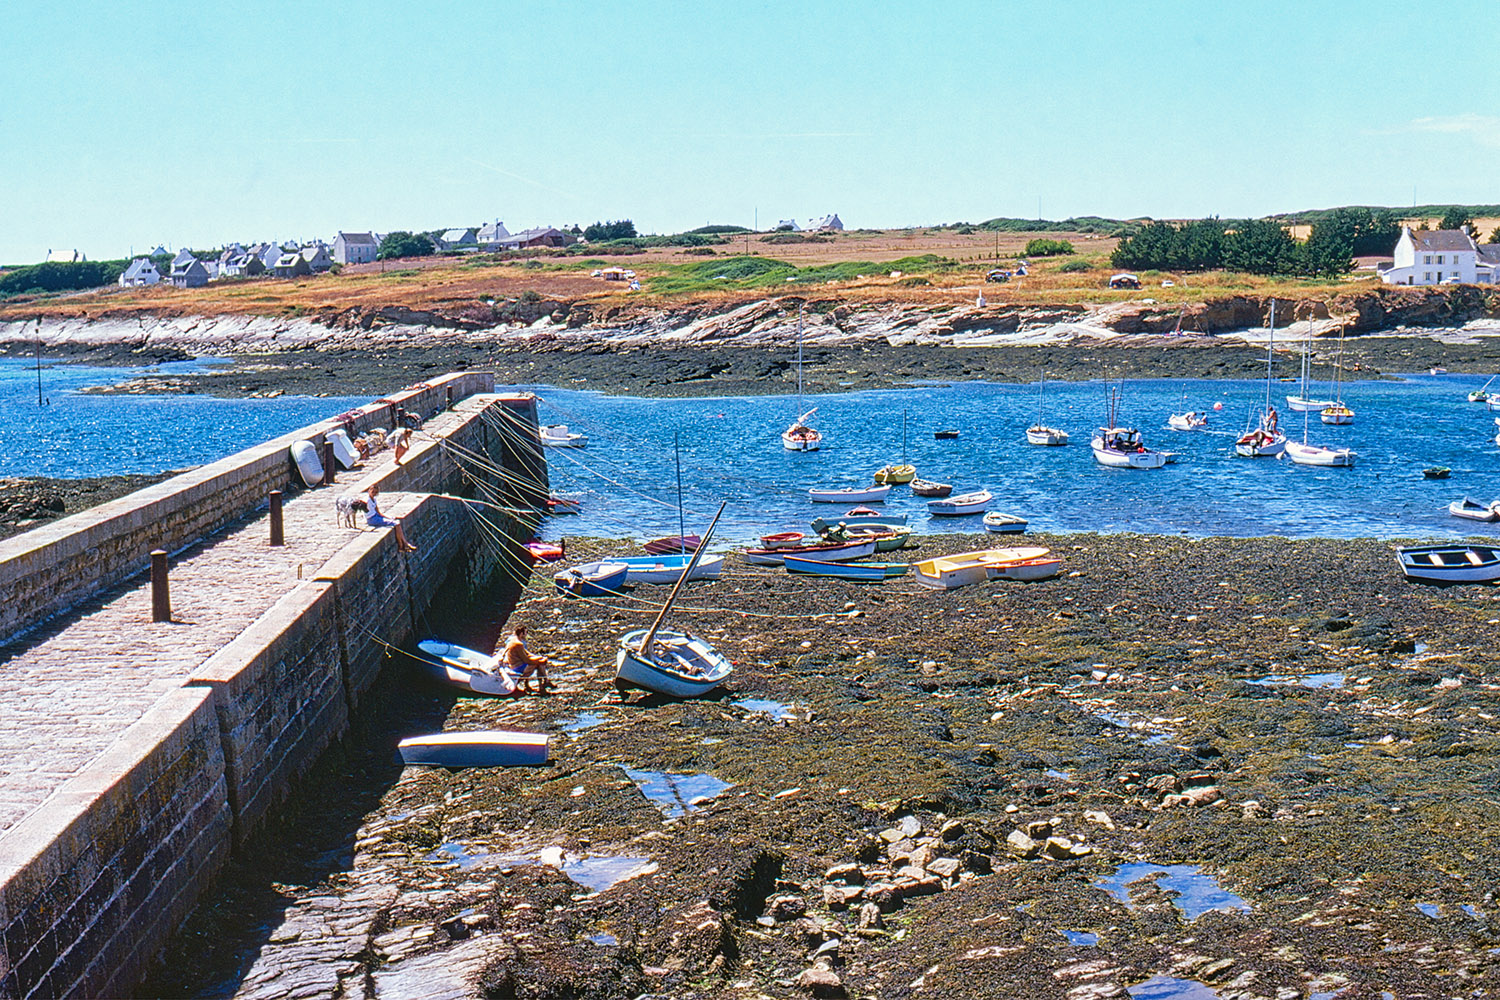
(715, 230)
(1048, 248)
(1075, 266)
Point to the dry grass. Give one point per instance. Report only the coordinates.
(449, 284)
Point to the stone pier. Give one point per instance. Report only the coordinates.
(135, 755)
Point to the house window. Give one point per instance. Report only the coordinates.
(1440, 258)
(1427, 259)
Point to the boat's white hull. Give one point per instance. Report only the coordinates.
(1186, 422)
(1474, 511)
(558, 436)
(1450, 563)
(1046, 436)
(1026, 569)
(666, 569)
(796, 442)
(1004, 524)
(1301, 404)
(1338, 416)
(951, 572)
(967, 503)
(681, 665)
(1129, 460)
(827, 553)
(1311, 454)
(465, 669)
(1249, 447)
(488, 748)
(873, 494)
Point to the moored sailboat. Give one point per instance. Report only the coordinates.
(1266, 440)
(1338, 414)
(800, 436)
(1039, 433)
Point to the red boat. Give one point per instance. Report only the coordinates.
(673, 543)
(782, 539)
(545, 551)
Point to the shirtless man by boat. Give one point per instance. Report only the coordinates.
(522, 663)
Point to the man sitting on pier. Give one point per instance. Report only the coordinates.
(522, 663)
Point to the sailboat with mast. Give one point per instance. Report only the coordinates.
(800, 436)
(1302, 402)
(672, 663)
(902, 472)
(1039, 432)
(1266, 440)
(1338, 413)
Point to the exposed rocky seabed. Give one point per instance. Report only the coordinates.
(986, 792)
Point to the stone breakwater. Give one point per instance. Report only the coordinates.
(141, 753)
(1258, 764)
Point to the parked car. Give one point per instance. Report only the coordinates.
(998, 275)
(1124, 281)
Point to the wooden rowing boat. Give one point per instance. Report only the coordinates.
(928, 488)
(858, 572)
(1455, 563)
(830, 552)
(949, 572)
(966, 503)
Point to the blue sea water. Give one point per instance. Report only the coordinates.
(731, 450)
(78, 434)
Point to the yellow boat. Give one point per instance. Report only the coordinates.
(948, 572)
(896, 474)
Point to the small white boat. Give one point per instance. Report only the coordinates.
(1040, 434)
(344, 451)
(950, 572)
(1456, 563)
(309, 466)
(1304, 404)
(604, 578)
(800, 437)
(1474, 510)
(486, 748)
(1004, 524)
(865, 494)
(858, 572)
(1189, 421)
(964, 503)
(1122, 448)
(1312, 454)
(1482, 395)
(675, 664)
(1026, 569)
(831, 552)
(465, 669)
(861, 515)
(665, 569)
(887, 537)
(558, 436)
(1493, 403)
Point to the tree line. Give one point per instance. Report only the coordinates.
(54, 276)
(1259, 246)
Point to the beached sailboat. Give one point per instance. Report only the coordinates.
(799, 436)
(1338, 413)
(1266, 440)
(1039, 433)
(676, 664)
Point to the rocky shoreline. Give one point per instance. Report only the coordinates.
(31, 501)
(910, 794)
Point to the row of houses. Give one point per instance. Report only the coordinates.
(187, 270)
(827, 224)
(494, 236)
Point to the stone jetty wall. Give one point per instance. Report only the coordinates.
(93, 882)
(48, 570)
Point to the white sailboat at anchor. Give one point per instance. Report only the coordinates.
(800, 436)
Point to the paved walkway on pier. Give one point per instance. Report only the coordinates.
(70, 688)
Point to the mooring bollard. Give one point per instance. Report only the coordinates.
(330, 464)
(278, 536)
(161, 600)
(450, 397)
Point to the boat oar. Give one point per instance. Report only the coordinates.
(686, 572)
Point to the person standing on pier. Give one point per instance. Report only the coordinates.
(375, 519)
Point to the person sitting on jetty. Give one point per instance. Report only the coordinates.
(522, 663)
(375, 519)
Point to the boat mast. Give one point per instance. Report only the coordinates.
(903, 437)
(1270, 346)
(681, 528)
(686, 572)
(799, 360)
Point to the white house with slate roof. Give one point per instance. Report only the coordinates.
(458, 239)
(491, 235)
(1441, 256)
(828, 223)
(355, 248)
(141, 273)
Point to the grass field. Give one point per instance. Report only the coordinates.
(936, 267)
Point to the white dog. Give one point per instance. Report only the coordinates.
(347, 506)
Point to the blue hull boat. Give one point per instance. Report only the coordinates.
(595, 579)
(858, 572)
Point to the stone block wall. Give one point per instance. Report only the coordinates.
(97, 880)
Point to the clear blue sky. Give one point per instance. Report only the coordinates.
(193, 124)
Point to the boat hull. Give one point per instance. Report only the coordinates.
(558, 436)
(1301, 404)
(896, 474)
(465, 669)
(595, 579)
(1328, 458)
(1004, 524)
(950, 572)
(1187, 422)
(873, 494)
(928, 488)
(488, 748)
(1473, 510)
(672, 544)
(1254, 445)
(1046, 436)
(858, 572)
(682, 665)
(666, 569)
(1129, 460)
(1337, 416)
(828, 553)
(959, 506)
(1026, 569)
(1450, 563)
